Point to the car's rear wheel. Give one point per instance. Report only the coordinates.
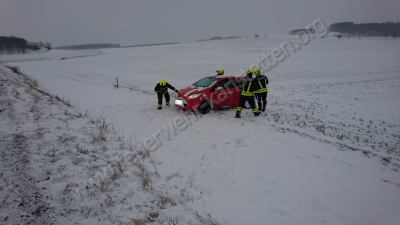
(205, 107)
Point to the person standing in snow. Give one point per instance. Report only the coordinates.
(262, 89)
(220, 71)
(162, 89)
(247, 94)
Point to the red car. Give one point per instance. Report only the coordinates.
(213, 92)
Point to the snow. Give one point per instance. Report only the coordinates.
(325, 152)
(44, 54)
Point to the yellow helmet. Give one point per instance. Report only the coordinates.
(256, 71)
(249, 71)
(163, 82)
(220, 71)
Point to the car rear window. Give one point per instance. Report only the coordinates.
(205, 82)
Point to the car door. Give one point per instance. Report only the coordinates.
(233, 89)
(219, 94)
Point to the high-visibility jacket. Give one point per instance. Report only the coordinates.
(249, 86)
(262, 84)
(163, 89)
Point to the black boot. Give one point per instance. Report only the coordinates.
(237, 115)
(264, 105)
(257, 113)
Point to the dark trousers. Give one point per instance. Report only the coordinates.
(242, 104)
(160, 98)
(261, 100)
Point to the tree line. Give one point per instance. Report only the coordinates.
(88, 46)
(367, 29)
(17, 45)
(218, 38)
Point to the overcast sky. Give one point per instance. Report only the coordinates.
(129, 22)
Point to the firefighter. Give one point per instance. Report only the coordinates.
(220, 71)
(162, 89)
(262, 89)
(247, 94)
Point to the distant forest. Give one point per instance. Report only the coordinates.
(16, 45)
(367, 29)
(88, 46)
(218, 38)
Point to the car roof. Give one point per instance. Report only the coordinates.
(224, 76)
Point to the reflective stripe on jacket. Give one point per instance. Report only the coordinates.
(247, 91)
(248, 86)
(163, 89)
(262, 82)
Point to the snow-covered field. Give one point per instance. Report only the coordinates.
(326, 152)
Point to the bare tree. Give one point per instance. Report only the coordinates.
(256, 35)
(386, 35)
(48, 45)
(338, 36)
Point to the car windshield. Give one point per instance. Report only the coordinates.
(205, 82)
